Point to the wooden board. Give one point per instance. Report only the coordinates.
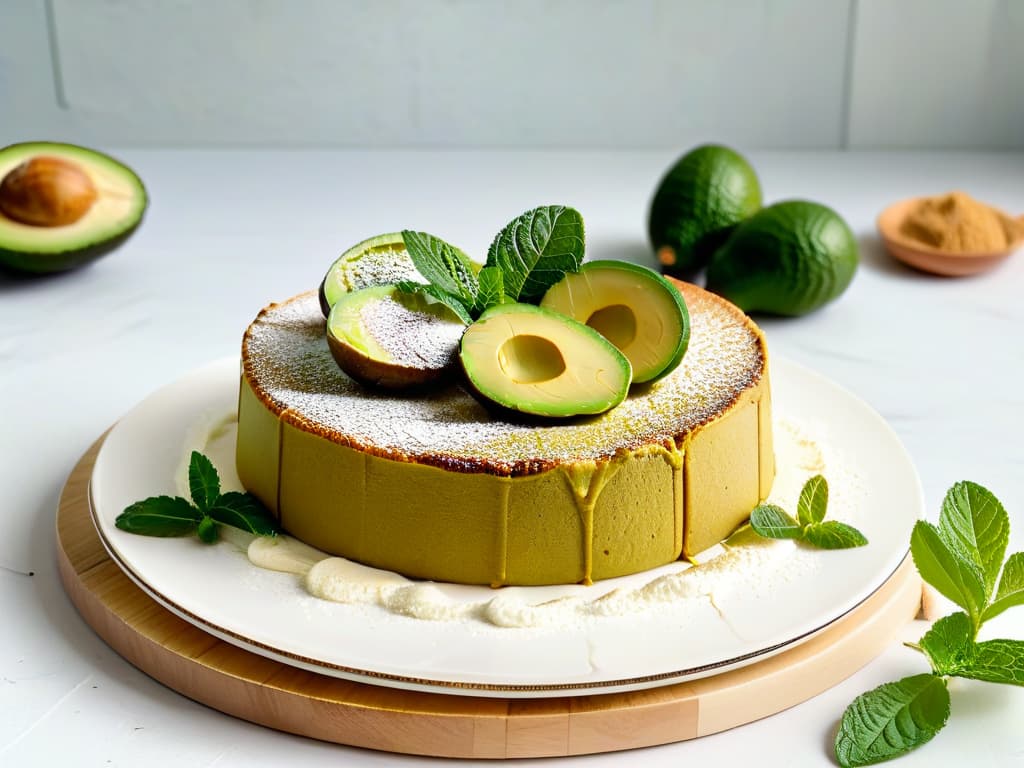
(243, 684)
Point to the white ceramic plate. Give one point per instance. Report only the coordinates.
(216, 588)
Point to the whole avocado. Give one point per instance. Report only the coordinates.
(697, 203)
(787, 259)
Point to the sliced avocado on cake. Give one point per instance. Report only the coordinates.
(379, 260)
(62, 205)
(633, 307)
(535, 361)
(382, 337)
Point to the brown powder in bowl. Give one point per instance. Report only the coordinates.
(956, 222)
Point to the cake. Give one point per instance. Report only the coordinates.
(433, 486)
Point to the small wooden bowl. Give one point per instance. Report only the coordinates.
(927, 258)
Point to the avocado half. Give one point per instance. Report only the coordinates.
(382, 337)
(113, 215)
(379, 260)
(633, 307)
(523, 358)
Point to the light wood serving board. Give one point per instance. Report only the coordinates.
(243, 684)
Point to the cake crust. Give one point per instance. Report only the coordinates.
(727, 357)
(433, 486)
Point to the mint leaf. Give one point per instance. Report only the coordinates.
(1011, 587)
(203, 481)
(832, 534)
(892, 720)
(433, 293)
(955, 577)
(244, 511)
(207, 530)
(492, 290)
(950, 644)
(774, 522)
(444, 265)
(813, 501)
(536, 249)
(997, 661)
(160, 516)
(975, 526)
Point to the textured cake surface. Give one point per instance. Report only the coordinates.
(433, 486)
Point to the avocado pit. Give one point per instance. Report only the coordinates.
(47, 191)
(529, 359)
(523, 358)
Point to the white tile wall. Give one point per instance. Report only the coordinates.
(938, 73)
(550, 73)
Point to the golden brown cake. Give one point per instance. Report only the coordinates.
(433, 486)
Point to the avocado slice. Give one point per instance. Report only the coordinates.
(379, 260)
(529, 359)
(382, 337)
(62, 205)
(633, 307)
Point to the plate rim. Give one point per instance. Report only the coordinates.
(479, 688)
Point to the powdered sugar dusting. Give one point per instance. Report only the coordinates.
(413, 338)
(382, 266)
(287, 360)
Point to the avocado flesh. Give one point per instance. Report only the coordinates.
(377, 260)
(118, 209)
(382, 337)
(635, 308)
(538, 362)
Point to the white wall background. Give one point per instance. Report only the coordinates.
(823, 74)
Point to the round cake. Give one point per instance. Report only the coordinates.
(434, 486)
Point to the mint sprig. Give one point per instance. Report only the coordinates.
(492, 290)
(962, 558)
(529, 255)
(442, 264)
(892, 719)
(172, 516)
(536, 249)
(434, 294)
(773, 522)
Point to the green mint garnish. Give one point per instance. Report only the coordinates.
(975, 526)
(175, 516)
(813, 502)
(241, 510)
(433, 293)
(443, 265)
(492, 290)
(831, 534)
(962, 558)
(892, 720)
(160, 516)
(536, 249)
(949, 644)
(773, 522)
(207, 530)
(1011, 587)
(997, 661)
(528, 256)
(954, 576)
(203, 481)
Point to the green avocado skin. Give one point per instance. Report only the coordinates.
(697, 203)
(48, 262)
(788, 259)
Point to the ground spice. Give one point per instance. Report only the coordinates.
(957, 222)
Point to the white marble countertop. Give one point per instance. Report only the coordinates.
(227, 231)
